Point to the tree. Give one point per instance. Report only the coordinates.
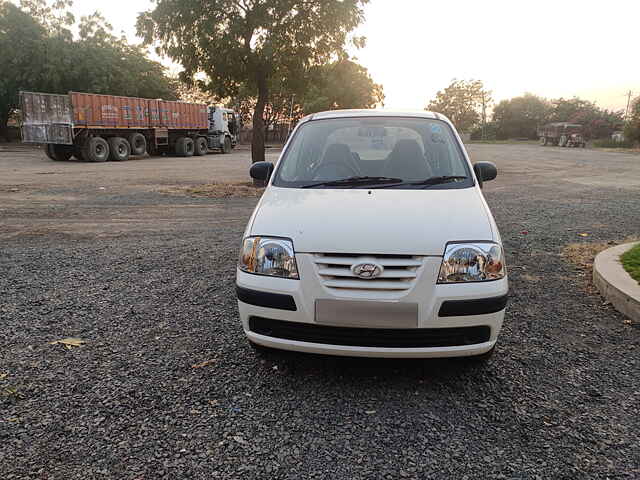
(342, 84)
(520, 116)
(462, 103)
(251, 42)
(597, 123)
(38, 52)
(632, 127)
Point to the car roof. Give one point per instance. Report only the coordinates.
(373, 113)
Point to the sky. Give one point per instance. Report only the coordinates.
(552, 48)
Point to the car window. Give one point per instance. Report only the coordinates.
(409, 149)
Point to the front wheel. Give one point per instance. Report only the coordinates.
(543, 141)
(226, 148)
(563, 141)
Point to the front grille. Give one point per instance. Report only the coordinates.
(400, 271)
(370, 337)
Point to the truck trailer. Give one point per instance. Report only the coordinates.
(97, 128)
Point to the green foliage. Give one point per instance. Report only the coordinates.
(251, 44)
(631, 262)
(519, 117)
(339, 85)
(462, 103)
(597, 122)
(38, 52)
(632, 127)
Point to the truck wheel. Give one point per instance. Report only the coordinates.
(201, 147)
(59, 153)
(563, 141)
(95, 149)
(543, 141)
(226, 148)
(138, 143)
(185, 147)
(119, 149)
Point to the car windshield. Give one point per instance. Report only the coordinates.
(374, 152)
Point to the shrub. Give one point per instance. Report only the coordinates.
(609, 143)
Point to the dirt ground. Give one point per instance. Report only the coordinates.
(38, 195)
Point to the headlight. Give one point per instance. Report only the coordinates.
(472, 262)
(268, 256)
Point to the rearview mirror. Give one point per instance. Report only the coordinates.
(261, 171)
(485, 171)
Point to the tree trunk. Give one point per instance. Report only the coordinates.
(257, 143)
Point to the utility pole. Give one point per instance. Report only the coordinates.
(484, 116)
(626, 111)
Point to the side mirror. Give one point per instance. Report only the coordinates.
(261, 171)
(485, 171)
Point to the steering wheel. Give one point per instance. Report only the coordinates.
(351, 172)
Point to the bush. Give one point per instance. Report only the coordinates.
(609, 143)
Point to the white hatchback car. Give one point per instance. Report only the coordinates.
(373, 239)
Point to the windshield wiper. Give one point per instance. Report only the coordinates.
(356, 181)
(429, 181)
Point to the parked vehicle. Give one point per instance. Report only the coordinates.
(562, 134)
(97, 128)
(373, 238)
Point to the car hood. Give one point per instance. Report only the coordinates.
(383, 221)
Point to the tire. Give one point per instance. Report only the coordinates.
(543, 141)
(201, 148)
(59, 153)
(119, 149)
(563, 141)
(185, 147)
(137, 143)
(95, 149)
(226, 148)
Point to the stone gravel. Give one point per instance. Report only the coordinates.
(559, 400)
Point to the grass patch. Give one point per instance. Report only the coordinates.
(631, 262)
(221, 190)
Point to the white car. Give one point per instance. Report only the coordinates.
(373, 239)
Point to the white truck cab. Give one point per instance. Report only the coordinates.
(224, 129)
(373, 238)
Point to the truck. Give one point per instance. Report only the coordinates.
(562, 134)
(97, 128)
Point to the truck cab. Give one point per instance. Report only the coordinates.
(224, 129)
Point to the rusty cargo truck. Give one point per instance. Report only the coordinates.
(96, 128)
(562, 134)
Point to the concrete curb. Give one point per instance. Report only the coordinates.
(615, 284)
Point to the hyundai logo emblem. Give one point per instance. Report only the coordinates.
(367, 271)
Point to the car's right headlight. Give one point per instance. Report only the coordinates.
(270, 256)
(472, 262)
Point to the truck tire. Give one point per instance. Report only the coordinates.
(95, 149)
(59, 153)
(119, 149)
(543, 141)
(138, 144)
(185, 147)
(201, 147)
(563, 141)
(226, 147)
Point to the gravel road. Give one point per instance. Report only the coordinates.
(147, 280)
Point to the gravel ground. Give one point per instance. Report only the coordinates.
(149, 285)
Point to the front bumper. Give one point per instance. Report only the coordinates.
(451, 306)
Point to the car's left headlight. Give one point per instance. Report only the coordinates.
(472, 262)
(270, 256)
